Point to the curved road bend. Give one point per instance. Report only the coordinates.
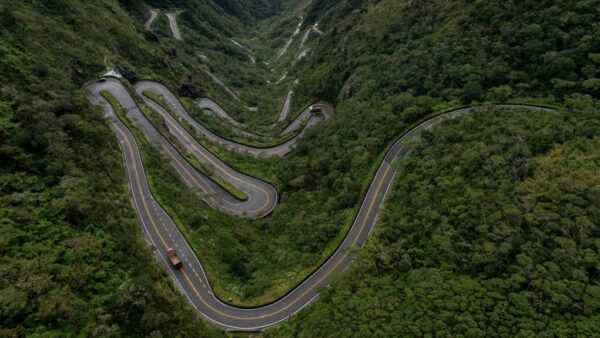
(229, 91)
(180, 112)
(206, 103)
(297, 123)
(192, 280)
(261, 196)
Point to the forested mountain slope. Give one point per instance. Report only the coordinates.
(490, 230)
(492, 227)
(246, 10)
(461, 49)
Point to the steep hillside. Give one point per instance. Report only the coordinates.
(491, 230)
(71, 258)
(247, 11)
(252, 10)
(329, 12)
(472, 242)
(460, 49)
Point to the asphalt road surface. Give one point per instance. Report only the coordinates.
(162, 232)
(229, 91)
(261, 196)
(305, 119)
(173, 24)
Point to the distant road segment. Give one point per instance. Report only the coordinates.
(172, 16)
(306, 119)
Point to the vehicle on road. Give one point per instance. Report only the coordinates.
(314, 109)
(175, 261)
(101, 79)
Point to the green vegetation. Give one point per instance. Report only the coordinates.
(120, 111)
(208, 27)
(457, 49)
(218, 126)
(394, 63)
(491, 230)
(72, 261)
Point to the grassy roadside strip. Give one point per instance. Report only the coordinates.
(159, 124)
(120, 111)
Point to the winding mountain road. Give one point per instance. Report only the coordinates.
(163, 233)
(153, 16)
(261, 196)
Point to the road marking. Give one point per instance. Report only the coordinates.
(363, 222)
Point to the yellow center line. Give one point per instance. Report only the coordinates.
(147, 210)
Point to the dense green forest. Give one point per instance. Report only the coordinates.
(491, 228)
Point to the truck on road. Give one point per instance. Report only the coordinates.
(175, 261)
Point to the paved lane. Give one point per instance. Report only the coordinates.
(153, 15)
(191, 279)
(172, 16)
(261, 196)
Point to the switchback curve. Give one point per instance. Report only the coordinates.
(306, 119)
(192, 280)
